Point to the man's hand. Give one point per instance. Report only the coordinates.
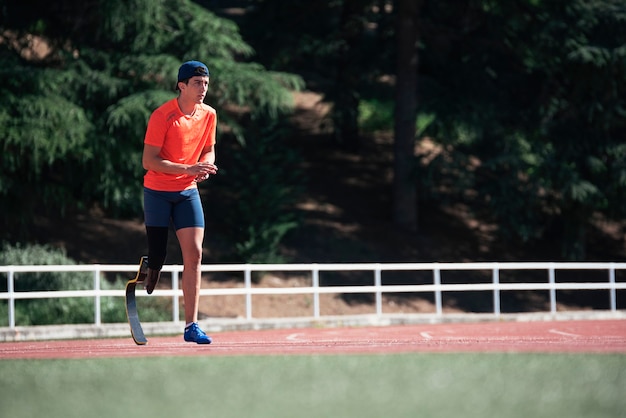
(203, 170)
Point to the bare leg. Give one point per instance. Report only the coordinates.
(190, 240)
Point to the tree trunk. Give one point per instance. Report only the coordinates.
(346, 98)
(404, 185)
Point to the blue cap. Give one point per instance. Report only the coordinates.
(192, 68)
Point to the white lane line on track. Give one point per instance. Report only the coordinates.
(566, 334)
(426, 336)
(294, 337)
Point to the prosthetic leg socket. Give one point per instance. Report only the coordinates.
(152, 279)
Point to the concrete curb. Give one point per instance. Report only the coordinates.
(213, 325)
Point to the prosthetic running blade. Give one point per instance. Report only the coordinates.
(131, 303)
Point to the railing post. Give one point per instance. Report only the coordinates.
(612, 291)
(496, 290)
(438, 303)
(315, 278)
(96, 287)
(11, 291)
(248, 285)
(379, 291)
(175, 301)
(552, 279)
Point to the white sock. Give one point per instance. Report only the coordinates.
(189, 324)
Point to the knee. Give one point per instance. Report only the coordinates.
(193, 257)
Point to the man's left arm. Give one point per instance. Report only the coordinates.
(207, 156)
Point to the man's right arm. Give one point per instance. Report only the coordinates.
(152, 160)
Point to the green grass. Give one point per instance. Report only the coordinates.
(406, 385)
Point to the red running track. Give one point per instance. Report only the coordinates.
(585, 336)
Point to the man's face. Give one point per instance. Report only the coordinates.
(195, 90)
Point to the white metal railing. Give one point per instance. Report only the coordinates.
(378, 288)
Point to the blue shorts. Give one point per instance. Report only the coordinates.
(183, 209)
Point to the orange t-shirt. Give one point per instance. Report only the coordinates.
(181, 139)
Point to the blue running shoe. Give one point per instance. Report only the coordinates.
(194, 334)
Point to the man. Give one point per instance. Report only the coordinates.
(178, 154)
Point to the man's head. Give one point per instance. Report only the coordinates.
(191, 69)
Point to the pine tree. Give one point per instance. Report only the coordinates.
(78, 82)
